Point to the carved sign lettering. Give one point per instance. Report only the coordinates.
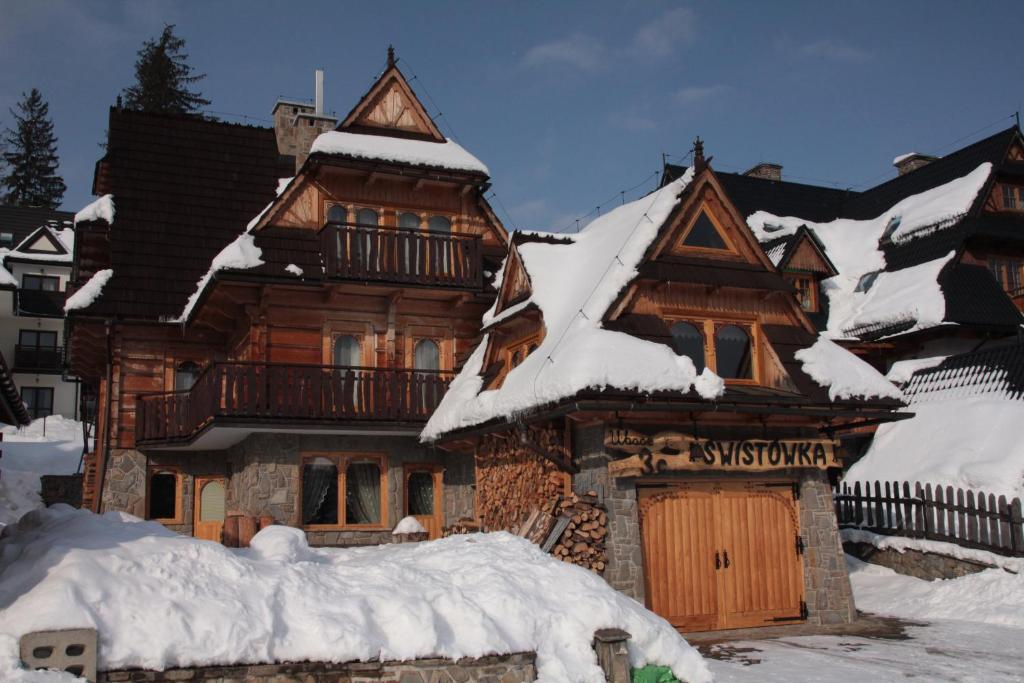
(673, 451)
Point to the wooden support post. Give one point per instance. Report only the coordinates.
(612, 654)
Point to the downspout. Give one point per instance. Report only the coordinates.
(102, 465)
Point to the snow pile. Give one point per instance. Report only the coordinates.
(28, 454)
(294, 269)
(448, 154)
(239, 255)
(902, 370)
(573, 284)
(971, 443)
(463, 596)
(409, 525)
(88, 292)
(853, 246)
(100, 210)
(845, 375)
(902, 157)
(993, 596)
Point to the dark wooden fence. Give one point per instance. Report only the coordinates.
(400, 255)
(971, 519)
(289, 393)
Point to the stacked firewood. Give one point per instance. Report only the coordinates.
(462, 526)
(511, 484)
(583, 540)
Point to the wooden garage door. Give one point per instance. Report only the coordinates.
(721, 555)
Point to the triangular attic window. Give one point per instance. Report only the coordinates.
(703, 234)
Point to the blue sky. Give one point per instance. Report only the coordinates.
(567, 103)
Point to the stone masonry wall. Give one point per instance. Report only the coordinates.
(826, 582)
(514, 668)
(124, 482)
(624, 570)
(927, 566)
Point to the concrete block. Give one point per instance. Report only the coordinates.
(71, 650)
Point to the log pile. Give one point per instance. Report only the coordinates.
(463, 526)
(512, 482)
(583, 541)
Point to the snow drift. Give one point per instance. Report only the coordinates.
(161, 600)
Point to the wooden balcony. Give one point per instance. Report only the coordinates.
(1018, 299)
(38, 358)
(259, 394)
(402, 256)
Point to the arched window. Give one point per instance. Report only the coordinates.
(366, 217)
(408, 220)
(337, 214)
(426, 355)
(362, 493)
(687, 340)
(163, 495)
(347, 351)
(439, 224)
(733, 353)
(185, 375)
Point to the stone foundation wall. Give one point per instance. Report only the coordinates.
(827, 588)
(625, 569)
(514, 668)
(927, 566)
(124, 482)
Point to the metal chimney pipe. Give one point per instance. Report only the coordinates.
(319, 92)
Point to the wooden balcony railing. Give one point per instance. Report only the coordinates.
(46, 358)
(401, 255)
(300, 394)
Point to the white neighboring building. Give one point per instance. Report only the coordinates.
(36, 247)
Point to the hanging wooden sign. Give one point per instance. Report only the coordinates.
(674, 451)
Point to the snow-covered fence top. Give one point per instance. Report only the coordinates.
(972, 519)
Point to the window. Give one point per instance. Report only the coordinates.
(45, 283)
(866, 281)
(687, 340)
(6, 239)
(1009, 272)
(408, 220)
(439, 224)
(38, 401)
(733, 353)
(806, 292)
(367, 217)
(185, 375)
(347, 351)
(704, 235)
(891, 227)
(164, 501)
(38, 339)
(1013, 197)
(426, 355)
(361, 477)
(337, 214)
(419, 493)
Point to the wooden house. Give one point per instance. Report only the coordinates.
(651, 401)
(268, 342)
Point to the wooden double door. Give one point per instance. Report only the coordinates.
(721, 555)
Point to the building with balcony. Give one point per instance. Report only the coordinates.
(36, 246)
(271, 316)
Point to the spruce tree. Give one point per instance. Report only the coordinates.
(31, 156)
(162, 77)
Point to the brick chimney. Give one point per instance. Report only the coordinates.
(297, 124)
(905, 163)
(765, 170)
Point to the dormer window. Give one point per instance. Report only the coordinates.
(890, 228)
(866, 281)
(806, 292)
(1013, 198)
(6, 239)
(185, 375)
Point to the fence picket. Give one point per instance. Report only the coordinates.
(940, 516)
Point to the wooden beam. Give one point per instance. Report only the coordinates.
(373, 177)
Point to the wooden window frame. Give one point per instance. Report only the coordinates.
(179, 493)
(730, 247)
(710, 326)
(522, 344)
(443, 337)
(436, 471)
(812, 289)
(362, 331)
(342, 462)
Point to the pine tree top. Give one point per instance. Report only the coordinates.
(162, 77)
(31, 156)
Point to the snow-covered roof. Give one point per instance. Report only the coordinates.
(101, 209)
(447, 155)
(89, 292)
(845, 375)
(854, 246)
(65, 237)
(468, 595)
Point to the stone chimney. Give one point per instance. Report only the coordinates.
(905, 163)
(297, 123)
(765, 170)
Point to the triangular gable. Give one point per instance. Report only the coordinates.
(42, 241)
(515, 282)
(805, 253)
(391, 105)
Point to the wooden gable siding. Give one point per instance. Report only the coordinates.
(391, 104)
(515, 283)
(806, 258)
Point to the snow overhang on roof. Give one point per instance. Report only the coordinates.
(447, 155)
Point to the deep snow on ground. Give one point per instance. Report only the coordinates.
(162, 600)
(27, 454)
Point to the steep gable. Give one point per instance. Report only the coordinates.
(391, 106)
(42, 241)
(515, 282)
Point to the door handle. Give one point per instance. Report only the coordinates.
(718, 560)
(725, 557)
